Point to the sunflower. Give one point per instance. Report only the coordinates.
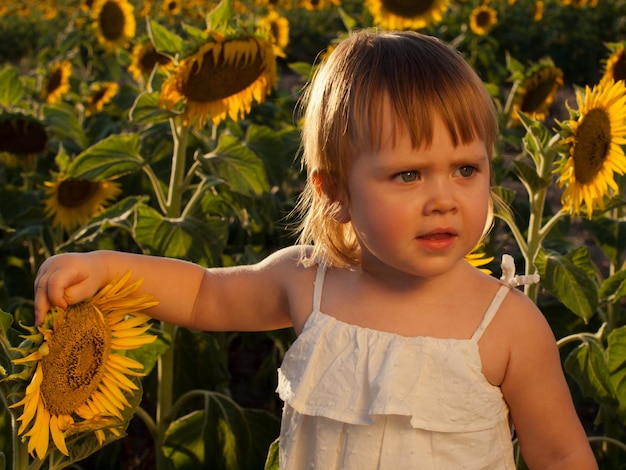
(101, 94)
(222, 79)
(483, 19)
(593, 139)
(78, 382)
(538, 9)
(57, 82)
(477, 258)
(406, 14)
(170, 7)
(277, 27)
(114, 21)
(615, 68)
(537, 90)
(72, 202)
(145, 58)
(312, 5)
(21, 134)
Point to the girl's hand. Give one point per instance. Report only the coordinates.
(67, 279)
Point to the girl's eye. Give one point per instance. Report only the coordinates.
(407, 176)
(466, 171)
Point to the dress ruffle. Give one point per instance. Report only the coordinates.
(351, 374)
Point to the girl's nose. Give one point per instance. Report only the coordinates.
(440, 198)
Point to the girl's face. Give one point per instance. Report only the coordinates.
(418, 212)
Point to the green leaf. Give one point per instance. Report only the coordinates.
(614, 287)
(220, 16)
(165, 41)
(11, 88)
(62, 122)
(110, 158)
(616, 352)
(569, 283)
(237, 165)
(529, 176)
(200, 240)
(587, 364)
(222, 434)
(146, 109)
(272, 462)
(6, 320)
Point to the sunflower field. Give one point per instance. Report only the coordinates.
(170, 127)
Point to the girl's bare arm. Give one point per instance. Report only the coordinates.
(550, 433)
(235, 299)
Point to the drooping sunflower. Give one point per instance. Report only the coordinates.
(407, 14)
(78, 382)
(537, 90)
(21, 134)
(615, 68)
(57, 82)
(101, 94)
(483, 19)
(145, 58)
(72, 202)
(222, 79)
(593, 138)
(114, 21)
(277, 27)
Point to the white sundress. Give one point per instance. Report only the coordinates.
(362, 399)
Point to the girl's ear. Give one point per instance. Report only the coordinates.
(327, 188)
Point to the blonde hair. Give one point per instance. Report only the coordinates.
(343, 106)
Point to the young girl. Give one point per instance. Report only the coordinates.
(407, 356)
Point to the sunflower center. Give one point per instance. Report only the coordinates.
(74, 366)
(593, 142)
(112, 21)
(55, 81)
(538, 91)
(75, 192)
(408, 8)
(150, 58)
(22, 136)
(483, 19)
(215, 80)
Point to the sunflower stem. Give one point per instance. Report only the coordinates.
(177, 176)
(156, 187)
(165, 394)
(149, 422)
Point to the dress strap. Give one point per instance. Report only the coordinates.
(318, 285)
(491, 312)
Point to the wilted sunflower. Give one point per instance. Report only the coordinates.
(78, 382)
(222, 79)
(593, 137)
(101, 94)
(72, 202)
(407, 14)
(114, 21)
(21, 134)
(483, 19)
(277, 27)
(145, 58)
(615, 68)
(537, 90)
(57, 82)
